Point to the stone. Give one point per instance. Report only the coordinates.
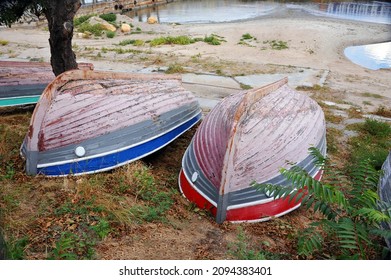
(125, 28)
(105, 24)
(152, 20)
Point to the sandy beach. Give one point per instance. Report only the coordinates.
(313, 43)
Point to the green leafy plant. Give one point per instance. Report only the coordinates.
(72, 247)
(169, 40)
(110, 34)
(175, 68)
(349, 204)
(247, 36)
(102, 228)
(109, 17)
(240, 249)
(15, 248)
(213, 39)
(372, 142)
(79, 20)
(95, 29)
(277, 44)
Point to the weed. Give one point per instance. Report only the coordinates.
(348, 203)
(374, 95)
(213, 39)
(4, 42)
(240, 249)
(95, 29)
(79, 20)
(175, 68)
(372, 143)
(110, 34)
(15, 248)
(332, 139)
(109, 17)
(244, 86)
(102, 228)
(131, 42)
(247, 36)
(377, 128)
(72, 247)
(179, 40)
(383, 111)
(367, 103)
(277, 44)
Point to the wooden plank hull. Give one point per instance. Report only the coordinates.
(247, 138)
(385, 191)
(89, 121)
(22, 83)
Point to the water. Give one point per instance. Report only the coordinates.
(212, 11)
(204, 11)
(375, 56)
(368, 11)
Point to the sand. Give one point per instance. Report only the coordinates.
(313, 43)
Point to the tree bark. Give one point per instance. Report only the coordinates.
(60, 16)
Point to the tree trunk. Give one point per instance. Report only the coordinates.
(60, 16)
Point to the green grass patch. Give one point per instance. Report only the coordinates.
(277, 44)
(95, 29)
(133, 42)
(372, 143)
(175, 68)
(79, 20)
(4, 42)
(109, 17)
(169, 40)
(214, 39)
(110, 34)
(247, 36)
(241, 248)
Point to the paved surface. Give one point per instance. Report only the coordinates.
(210, 89)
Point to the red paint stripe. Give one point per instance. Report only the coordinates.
(248, 213)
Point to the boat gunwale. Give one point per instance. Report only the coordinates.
(50, 93)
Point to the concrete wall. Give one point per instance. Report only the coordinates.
(105, 7)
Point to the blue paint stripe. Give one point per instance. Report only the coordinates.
(116, 159)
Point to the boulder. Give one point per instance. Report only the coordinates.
(152, 20)
(125, 28)
(105, 24)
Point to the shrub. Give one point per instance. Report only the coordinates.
(179, 40)
(247, 36)
(79, 20)
(110, 34)
(376, 128)
(213, 39)
(109, 17)
(349, 204)
(95, 29)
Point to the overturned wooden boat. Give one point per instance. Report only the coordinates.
(90, 121)
(385, 191)
(22, 83)
(247, 138)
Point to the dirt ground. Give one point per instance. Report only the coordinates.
(314, 42)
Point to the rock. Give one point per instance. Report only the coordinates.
(105, 24)
(152, 20)
(125, 28)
